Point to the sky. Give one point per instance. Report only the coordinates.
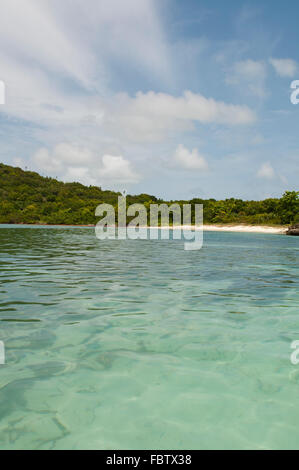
(178, 99)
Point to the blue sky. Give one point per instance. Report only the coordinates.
(173, 98)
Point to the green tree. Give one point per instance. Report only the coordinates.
(289, 207)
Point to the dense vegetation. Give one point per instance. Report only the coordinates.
(27, 197)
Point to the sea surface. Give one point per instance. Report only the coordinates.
(141, 345)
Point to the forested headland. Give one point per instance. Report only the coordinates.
(29, 198)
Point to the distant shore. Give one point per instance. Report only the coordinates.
(246, 228)
(278, 229)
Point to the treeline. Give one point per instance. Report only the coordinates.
(26, 197)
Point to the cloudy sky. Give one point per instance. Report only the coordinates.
(173, 98)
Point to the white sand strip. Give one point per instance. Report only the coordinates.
(232, 228)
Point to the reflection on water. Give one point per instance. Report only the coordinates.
(140, 344)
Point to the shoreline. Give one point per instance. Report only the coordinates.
(281, 230)
(237, 228)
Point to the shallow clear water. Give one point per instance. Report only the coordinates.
(142, 345)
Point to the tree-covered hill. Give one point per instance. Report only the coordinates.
(27, 197)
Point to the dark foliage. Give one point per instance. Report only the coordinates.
(27, 197)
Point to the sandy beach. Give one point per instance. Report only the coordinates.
(280, 230)
(245, 228)
(235, 228)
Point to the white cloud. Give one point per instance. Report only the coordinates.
(127, 32)
(81, 42)
(62, 61)
(63, 154)
(39, 41)
(56, 61)
(191, 106)
(150, 116)
(147, 117)
(249, 74)
(116, 168)
(266, 171)
(44, 161)
(189, 160)
(284, 67)
(73, 163)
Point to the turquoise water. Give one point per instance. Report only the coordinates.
(142, 345)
